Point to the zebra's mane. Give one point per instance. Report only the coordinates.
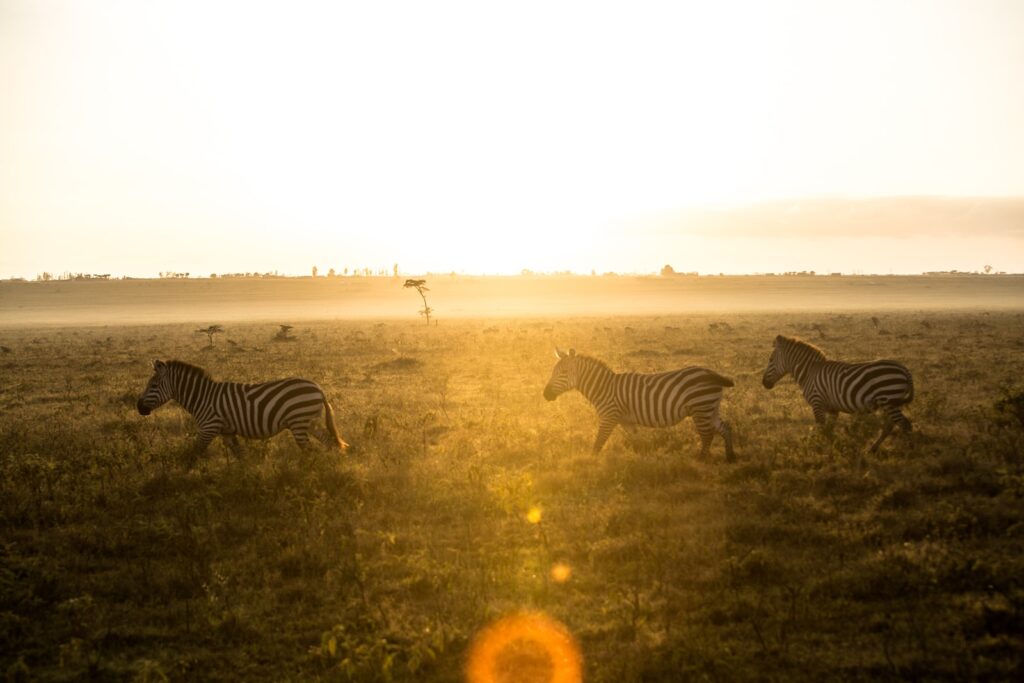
(189, 369)
(594, 361)
(801, 344)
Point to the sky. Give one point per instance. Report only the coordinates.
(488, 137)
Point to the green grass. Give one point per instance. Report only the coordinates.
(794, 563)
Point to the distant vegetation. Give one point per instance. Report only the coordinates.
(666, 271)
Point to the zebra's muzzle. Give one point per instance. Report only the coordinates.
(143, 410)
(549, 394)
(768, 384)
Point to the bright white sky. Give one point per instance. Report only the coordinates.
(137, 137)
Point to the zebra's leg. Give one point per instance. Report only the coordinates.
(299, 431)
(202, 442)
(604, 430)
(234, 444)
(901, 420)
(723, 428)
(632, 431)
(819, 415)
(893, 417)
(707, 423)
(886, 431)
(831, 419)
(315, 430)
(706, 438)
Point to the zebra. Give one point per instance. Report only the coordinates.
(634, 399)
(832, 386)
(231, 409)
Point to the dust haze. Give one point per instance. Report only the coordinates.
(292, 299)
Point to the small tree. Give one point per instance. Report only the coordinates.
(668, 271)
(421, 286)
(210, 331)
(282, 334)
(988, 269)
(314, 271)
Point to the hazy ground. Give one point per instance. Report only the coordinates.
(118, 563)
(288, 300)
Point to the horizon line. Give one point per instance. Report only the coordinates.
(68, 276)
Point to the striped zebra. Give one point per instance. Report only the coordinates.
(634, 399)
(231, 409)
(832, 387)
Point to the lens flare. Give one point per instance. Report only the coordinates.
(533, 515)
(560, 572)
(524, 648)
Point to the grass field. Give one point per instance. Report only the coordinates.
(464, 488)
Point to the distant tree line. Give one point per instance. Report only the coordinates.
(46, 276)
(666, 271)
(359, 272)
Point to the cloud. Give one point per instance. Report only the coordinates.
(896, 217)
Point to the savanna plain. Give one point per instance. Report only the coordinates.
(466, 496)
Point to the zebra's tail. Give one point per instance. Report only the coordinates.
(329, 419)
(714, 378)
(910, 388)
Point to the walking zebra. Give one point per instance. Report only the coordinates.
(832, 387)
(231, 409)
(649, 400)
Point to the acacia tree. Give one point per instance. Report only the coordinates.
(421, 286)
(210, 331)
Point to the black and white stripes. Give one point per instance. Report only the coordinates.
(833, 387)
(648, 400)
(230, 409)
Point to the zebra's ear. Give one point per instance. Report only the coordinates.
(778, 338)
(559, 353)
(572, 352)
(159, 365)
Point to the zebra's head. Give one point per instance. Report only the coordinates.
(563, 377)
(158, 390)
(777, 367)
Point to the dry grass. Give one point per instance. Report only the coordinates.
(119, 564)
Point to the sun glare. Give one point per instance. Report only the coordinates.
(524, 648)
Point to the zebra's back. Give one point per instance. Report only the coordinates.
(863, 387)
(663, 399)
(262, 410)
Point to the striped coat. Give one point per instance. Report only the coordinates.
(634, 399)
(833, 387)
(230, 409)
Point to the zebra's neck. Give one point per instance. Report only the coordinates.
(804, 363)
(594, 380)
(192, 388)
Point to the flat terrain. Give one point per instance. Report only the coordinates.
(286, 300)
(795, 563)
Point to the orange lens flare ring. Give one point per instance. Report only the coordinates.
(523, 648)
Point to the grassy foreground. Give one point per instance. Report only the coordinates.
(465, 488)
